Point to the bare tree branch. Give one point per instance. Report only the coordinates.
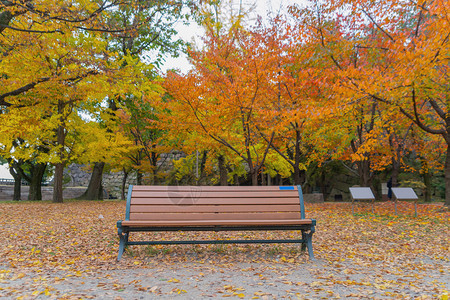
(2, 27)
(378, 26)
(20, 90)
(32, 85)
(416, 33)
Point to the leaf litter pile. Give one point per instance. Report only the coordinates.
(69, 251)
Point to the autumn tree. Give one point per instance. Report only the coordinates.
(393, 52)
(224, 94)
(148, 35)
(142, 123)
(68, 68)
(298, 99)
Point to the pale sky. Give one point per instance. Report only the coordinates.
(4, 172)
(192, 32)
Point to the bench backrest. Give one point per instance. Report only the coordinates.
(167, 203)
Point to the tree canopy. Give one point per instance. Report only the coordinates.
(361, 83)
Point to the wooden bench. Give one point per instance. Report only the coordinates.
(215, 208)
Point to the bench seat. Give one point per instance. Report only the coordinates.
(217, 223)
(194, 208)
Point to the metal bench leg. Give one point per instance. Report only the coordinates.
(308, 237)
(304, 238)
(122, 245)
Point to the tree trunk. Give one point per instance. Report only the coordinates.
(375, 184)
(202, 168)
(154, 162)
(254, 175)
(34, 179)
(37, 173)
(58, 183)
(447, 177)
(95, 187)
(395, 172)
(299, 175)
(59, 167)
(138, 177)
(364, 173)
(296, 175)
(427, 189)
(124, 182)
(17, 183)
(278, 180)
(223, 174)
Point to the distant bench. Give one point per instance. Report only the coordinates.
(215, 208)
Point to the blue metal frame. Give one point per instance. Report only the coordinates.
(302, 204)
(123, 232)
(216, 242)
(307, 230)
(127, 213)
(287, 188)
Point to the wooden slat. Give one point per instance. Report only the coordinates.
(214, 194)
(214, 216)
(217, 222)
(213, 201)
(211, 188)
(193, 206)
(212, 208)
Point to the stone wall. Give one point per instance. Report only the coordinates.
(112, 184)
(76, 175)
(340, 187)
(313, 198)
(79, 176)
(7, 192)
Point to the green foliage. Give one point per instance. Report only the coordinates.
(185, 167)
(277, 165)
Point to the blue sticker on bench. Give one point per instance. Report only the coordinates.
(286, 187)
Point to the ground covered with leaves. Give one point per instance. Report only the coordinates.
(69, 251)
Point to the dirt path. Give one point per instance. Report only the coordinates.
(256, 280)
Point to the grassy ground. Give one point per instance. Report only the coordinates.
(69, 251)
